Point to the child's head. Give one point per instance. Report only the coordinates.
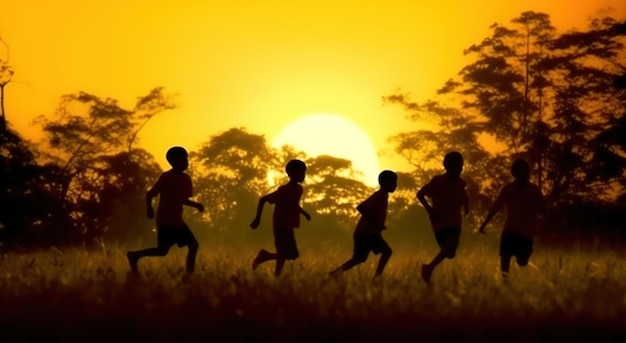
(453, 162)
(520, 170)
(295, 170)
(177, 158)
(388, 180)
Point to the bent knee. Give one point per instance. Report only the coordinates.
(291, 256)
(449, 253)
(359, 259)
(193, 245)
(387, 252)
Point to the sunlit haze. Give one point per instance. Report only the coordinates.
(326, 134)
(259, 65)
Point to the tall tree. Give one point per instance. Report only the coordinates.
(85, 130)
(230, 172)
(554, 99)
(25, 194)
(6, 74)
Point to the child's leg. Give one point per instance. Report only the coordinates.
(349, 264)
(448, 250)
(192, 246)
(524, 250)
(166, 237)
(158, 251)
(448, 240)
(522, 261)
(427, 269)
(280, 263)
(359, 254)
(505, 262)
(385, 254)
(286, 248)
(441, 255)
(134, 256)
(263, 256)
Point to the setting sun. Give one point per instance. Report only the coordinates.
(327, 134)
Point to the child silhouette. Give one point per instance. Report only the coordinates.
(286, 217)
(524, 204)
(368, 233)
(447, 194)
(174, 189)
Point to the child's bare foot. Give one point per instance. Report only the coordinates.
(260, 258)
(427, 273)
(132, 261)
(335, 273)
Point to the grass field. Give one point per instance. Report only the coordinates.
(79, 295)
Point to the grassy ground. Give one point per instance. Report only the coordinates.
(79, 295)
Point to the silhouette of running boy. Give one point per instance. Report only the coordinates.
(368, 233)
(447, 196)
(524, 204)
(174, 190)
(286, 217)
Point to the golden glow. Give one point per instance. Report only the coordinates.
(248, 63)
(327, 134)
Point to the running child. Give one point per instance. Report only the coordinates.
(286, 218)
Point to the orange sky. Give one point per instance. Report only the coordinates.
(257, 64)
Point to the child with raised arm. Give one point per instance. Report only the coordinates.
(447, 196)
(286, 217)
(368, 233)
(174, 189)
(524, 204)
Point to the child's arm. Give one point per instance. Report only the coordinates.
(305, 213)
(194, 204)
(492, 212)
(465, 202)
(259, 210)
(421, 196)
(153, 192)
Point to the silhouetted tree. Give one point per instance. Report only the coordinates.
(230, 172)
(117, 212)
(331, 195)
(27, 199)
(6, 74)
(554, 99)
(85, 133)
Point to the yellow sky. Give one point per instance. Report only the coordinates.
(257, 64)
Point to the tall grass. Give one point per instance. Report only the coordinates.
(80, 295)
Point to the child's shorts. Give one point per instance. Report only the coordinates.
(285, 243)
(515, 244)
(364, 243)
(167, 236)
(448, 240)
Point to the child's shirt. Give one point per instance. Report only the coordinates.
(173, 188)
(375, 208)
(447, 196)
(523, 205)
(287, 210)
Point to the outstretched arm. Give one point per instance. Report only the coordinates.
(465, 203)
(259, 210)
(305, 213)
(492, 212)
(194, 204)
(421, 196)
(149, 196)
